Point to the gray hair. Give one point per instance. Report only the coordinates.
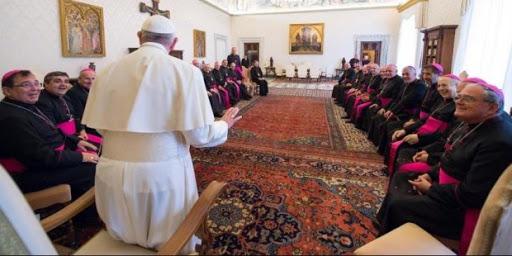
(410, 68)
(492, 97)
(147, 36)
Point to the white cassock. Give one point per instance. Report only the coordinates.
(150, 107)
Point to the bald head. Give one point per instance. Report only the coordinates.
(86, 78)
(409, 74)
(196, 63)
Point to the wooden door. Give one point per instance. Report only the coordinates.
(252, 51)
(370, 52)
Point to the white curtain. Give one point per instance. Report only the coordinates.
(485, 43)
(407, 42)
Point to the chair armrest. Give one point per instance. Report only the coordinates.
(408, 239)
(193, 221)
(68, 212)
(47, 197)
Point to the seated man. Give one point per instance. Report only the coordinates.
(373, 97)
(54, 106)
(365, 95)
(345, 81)
(213, 94)
(390, 93)
(362, 81)
(476, 154)
(257, 77)
(348, 83)
(77, 97)
(220, 81)
(440, 119)
(33, 149)
(403, 108)
(234, 91)
(235, 76)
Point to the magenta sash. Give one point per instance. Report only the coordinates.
(384, 102)
(347, 96)
(225, 97)
(12, 165)
(392, 156)
(470, 217)
(411, 111)
(68, 127)
(418, 167)
(423, 115)
(237, 87)
(216, 87)
(360, 108)
(370, 90)
(445, 178)
(94, 139)
(354, 108)
(432, 125)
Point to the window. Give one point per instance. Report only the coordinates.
(485, 44)
(407, 42)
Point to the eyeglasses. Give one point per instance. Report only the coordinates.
(465, 98)
(28, 84)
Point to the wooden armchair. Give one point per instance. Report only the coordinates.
(59, 194)
(252, 86)
(22, 234)
(491, 236)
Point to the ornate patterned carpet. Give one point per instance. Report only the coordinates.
(301, 180)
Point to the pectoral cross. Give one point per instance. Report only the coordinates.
(154, 10)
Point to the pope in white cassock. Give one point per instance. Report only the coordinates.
(150, 107)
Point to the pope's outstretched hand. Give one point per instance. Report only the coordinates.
(230, 116)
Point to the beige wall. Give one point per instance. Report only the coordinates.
(340, 29)
(30, 32)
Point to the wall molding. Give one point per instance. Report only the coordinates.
(409, 4)
(243, 40)
(216, 39)
(384, 38)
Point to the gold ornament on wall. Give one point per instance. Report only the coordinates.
(81, 28)
(306, 38)
(199, 44)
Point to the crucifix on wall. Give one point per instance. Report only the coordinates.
(154, 10)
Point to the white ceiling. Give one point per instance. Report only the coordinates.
(244, 7)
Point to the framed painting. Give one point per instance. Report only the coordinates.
(199, 44)
(81, 28)
(306, 38)
(370, 51)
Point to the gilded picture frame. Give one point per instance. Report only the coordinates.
(82, 30)
(199, 44)
(306, 38)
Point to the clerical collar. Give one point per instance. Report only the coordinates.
(490, 119)
(83, 88)
(23, 104)
(156, 45)
(49, 94)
